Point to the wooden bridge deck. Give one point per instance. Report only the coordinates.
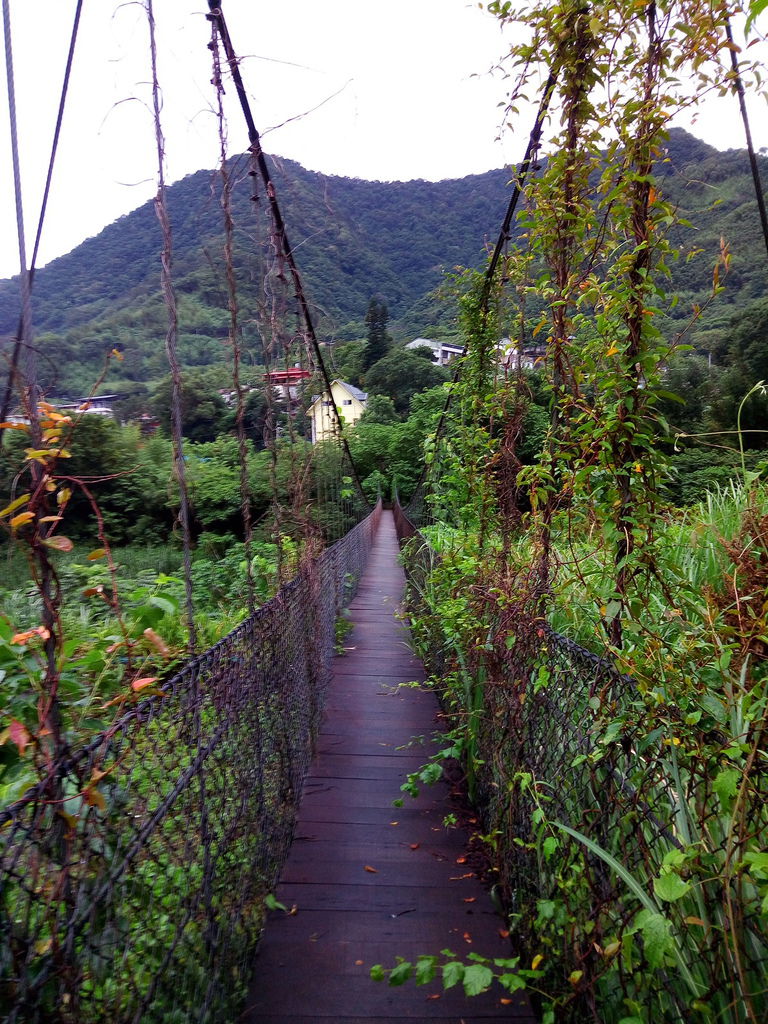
(313, 965)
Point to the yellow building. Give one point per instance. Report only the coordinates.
(349, 400)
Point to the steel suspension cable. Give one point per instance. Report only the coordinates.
(504, 234)
(217, 16)
(8, 394)
(738, 86)
(26, 310)
(171, 337)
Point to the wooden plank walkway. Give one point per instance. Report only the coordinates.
(313, 966)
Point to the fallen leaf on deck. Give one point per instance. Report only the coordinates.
(359, 963)
(415, 846)
(470, 899)
(374, 871)
(461, 860)
(467, 938)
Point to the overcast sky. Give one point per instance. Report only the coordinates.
(405, 89)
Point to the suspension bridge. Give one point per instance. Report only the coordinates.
(254, 834)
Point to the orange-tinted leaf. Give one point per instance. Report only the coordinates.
(94, 556)
(21, 519)
(142, 684)
(27, 635)
(435, 995)
(467, 938)
(14, 505)
(504, 933)
(157, 642)
(359, 963)
(94, 798)
(373, 871)
(470, 899)
(461, 860)
(71, 819)
(59, 543)
(20, 735)
(505, 1001)
(120, 699)
(14, 426)
(415, 846)
(51, 519)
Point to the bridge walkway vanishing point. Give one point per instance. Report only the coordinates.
(313, 965)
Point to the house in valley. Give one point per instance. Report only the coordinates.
(350, 402)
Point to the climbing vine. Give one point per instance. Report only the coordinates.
(625, 775)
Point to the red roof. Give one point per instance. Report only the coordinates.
(290, 376)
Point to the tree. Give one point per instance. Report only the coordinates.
(203, 412)
(401, 375)
(380, 409)
(379, 341)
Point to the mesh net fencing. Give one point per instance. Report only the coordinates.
(590, 807)
(133, 877)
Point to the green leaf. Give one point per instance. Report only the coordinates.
(670, 887)
(714, 706)
(400, 974)
(657, 940)
(169, 607)
(549, 845)
(756, 7)
(453, 972)
(426, 968)
(758, 863)
(378, 973)
(726, 785)
(477, 979)
(271, 903)
(512, 982)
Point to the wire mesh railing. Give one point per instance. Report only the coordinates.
(616, 850)
(133, 877)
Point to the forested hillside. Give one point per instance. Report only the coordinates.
(353, 239)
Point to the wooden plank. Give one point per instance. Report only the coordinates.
(314, 965)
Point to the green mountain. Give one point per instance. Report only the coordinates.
(352, 239)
